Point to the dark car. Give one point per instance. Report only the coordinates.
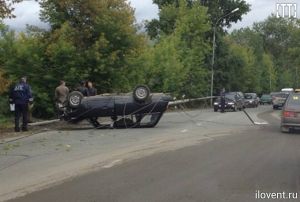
(135, 110)
(232, 102)
(251, 100)
(265, 99)
(290, 118)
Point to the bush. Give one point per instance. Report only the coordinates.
(5, 113)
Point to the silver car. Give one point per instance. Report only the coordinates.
(278, 99)
(290, 118)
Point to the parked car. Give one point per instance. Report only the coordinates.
(265, 99)
(251, 100)
(290, 118)
(139, 109)
(232, 102)
(278, 99)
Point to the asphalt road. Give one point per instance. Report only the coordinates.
(189, 157)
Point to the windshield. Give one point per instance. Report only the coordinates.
(249, 96)
(230, 96)
(281, 95)
(294, 100)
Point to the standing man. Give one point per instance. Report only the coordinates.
(21, 96)
(61, 94)
(91, 91)
(222, 95)
(82, 88)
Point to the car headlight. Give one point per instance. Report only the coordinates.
(216, 103)
(251, 101)
(230, 103)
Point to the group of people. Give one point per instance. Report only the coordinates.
(62, 91)
(21, 97)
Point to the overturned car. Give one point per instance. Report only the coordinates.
(140, 109)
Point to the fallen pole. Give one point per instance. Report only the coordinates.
(44, 122)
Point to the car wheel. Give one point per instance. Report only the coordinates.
(74, 99)
(141, 93)
(215, 109)
(284, 129)
(275, 107)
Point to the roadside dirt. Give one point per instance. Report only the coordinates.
(8, 132)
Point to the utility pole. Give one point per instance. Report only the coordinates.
(214, 52)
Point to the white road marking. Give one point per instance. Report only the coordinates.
(261, 123)
(199, 124)
(112, 164)
(184, 131)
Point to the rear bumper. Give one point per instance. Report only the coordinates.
(252, 104)
(290, 123)
(278, 104)
(226, 106)
(266, 102)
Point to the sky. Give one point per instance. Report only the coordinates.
(27, 12)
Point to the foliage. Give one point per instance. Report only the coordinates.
(6, 8)
(93, 40)
(176, 63)
(99, 40)
(216, 9)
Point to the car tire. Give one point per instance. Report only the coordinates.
(74, 99)
(275, 107)
(141, 93)
(215, 110)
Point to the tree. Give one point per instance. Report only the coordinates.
(4, 82)
(103, 34)
(176, 63)
(216, 9)
(6, 8)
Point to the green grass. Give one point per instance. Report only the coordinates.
(6, 122)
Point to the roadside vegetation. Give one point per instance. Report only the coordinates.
(100, 41)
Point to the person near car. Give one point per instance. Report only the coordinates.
(61, 94)
(82, 88)
(91, 91)
(21, 96)
(222, 96)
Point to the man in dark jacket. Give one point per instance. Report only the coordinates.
(82, 88)
(21, 96)
(222, 95)
(91, 91)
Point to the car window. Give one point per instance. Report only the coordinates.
(294, 100)
(248, 96)
(230, 96)
(281, 95)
